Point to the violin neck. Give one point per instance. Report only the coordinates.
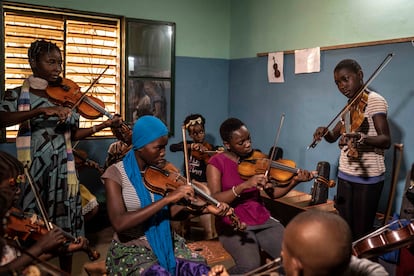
(200, 192)
(276, 165)
(98, 107)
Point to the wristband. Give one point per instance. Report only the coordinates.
(233, 189)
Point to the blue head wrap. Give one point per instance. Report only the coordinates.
(146, 130)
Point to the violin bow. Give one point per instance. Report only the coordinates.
(362, 89)
(89, 88)
(185, 149)
(38, 199)
(272, 155)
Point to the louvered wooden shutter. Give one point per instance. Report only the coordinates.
(88, 46)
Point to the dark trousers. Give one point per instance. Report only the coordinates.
(357, 204)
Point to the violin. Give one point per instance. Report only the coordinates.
(123, 133)
(162, 181)
(383, 242)
(349, 128)
(281, 170)
(67, 93)
(204, 155)
(357, 111)
(81, 159)
(26, 226)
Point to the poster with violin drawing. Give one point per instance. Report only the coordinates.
(275, 67)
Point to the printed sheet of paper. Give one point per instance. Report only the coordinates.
(308, 60)
(275, 67)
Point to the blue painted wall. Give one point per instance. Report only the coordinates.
(311, 100)
(218, 75)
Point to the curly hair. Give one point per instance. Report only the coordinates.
(228, 127)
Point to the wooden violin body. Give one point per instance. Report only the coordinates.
(26, 226)
(357, 111)
(162, 181)
(68, 94)
(349, 129)
(385, 241)
(281, 170)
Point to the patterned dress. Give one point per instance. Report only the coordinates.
(49, 166)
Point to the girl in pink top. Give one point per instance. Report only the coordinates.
(263, 232)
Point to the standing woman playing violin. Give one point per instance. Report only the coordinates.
(143, 243)
(44, 140)
(360, 176)
(225, 183)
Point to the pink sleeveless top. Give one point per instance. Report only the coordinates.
(248, 207)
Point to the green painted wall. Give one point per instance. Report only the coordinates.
(243, 28)
(203, 27)
(276, 25)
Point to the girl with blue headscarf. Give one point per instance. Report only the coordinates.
(143, 243)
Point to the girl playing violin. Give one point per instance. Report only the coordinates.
(197, 160)
(46, 130)
(360, 176)
(225, 183)
(143, 243)
(11, 178)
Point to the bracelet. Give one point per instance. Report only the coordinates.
(94, 129)
(233, 189)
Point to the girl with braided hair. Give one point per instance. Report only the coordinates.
(43, 143)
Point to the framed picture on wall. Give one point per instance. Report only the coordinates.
(150, 70)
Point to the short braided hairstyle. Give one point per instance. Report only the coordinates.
(40, 47)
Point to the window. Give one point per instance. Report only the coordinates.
(90, 46)
(150, 48)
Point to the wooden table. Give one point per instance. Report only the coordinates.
(294, 202)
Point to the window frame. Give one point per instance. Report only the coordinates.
(153, 78)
